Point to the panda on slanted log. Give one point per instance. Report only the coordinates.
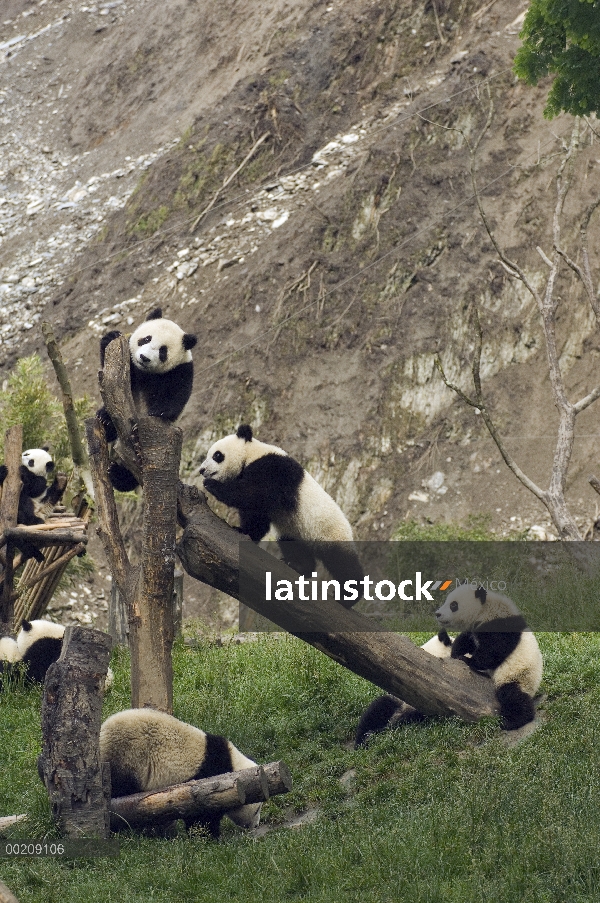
(495, 640)
(269, 488)
(162, 374)
(36, 465)
(149, 750)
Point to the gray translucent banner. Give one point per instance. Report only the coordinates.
(399, 585)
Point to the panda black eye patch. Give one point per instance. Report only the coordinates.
(218, 457)
(162, 353)
(145, 341)
(454, 606)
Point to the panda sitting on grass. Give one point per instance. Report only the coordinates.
(494, 640)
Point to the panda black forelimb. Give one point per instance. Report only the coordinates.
(376, 718)
(491, 649)
(105, 342)
(165, 394)
(464, 644)
(266, 485)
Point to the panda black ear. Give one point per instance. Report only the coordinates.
(481, 594)
(244, 431)
(189, 340)
(26, 625)
(46, 448)
(156, 314)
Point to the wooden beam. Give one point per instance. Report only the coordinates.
(209, 551)
(203, 798)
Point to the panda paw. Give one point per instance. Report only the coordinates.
(3, 473)
(105, 342)
(109, 428)
(121, 478)
(214, 487)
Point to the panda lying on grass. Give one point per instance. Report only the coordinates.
(149, 750)
(494, 640)
(38, 645)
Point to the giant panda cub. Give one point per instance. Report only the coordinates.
(36, 465)
(269, 488)
(495, 640)
(162, 374)
(148, 750)
(39, 644)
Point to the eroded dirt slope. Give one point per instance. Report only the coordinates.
(343, 255)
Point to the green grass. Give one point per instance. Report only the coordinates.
(437, 812)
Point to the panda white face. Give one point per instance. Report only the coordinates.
(38, 461)
(160, 345)
(463, 608)
(225, 459)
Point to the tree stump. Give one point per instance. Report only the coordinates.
(69, 765)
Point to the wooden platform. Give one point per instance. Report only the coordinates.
(60, 539)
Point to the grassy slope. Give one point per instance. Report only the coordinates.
(437, 812)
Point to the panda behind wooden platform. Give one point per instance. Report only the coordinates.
(162, 375)
(36, 466)
(149, 750)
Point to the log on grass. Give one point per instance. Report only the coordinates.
(207, 797)
(209, 551)
(6, 896)
(69, 765)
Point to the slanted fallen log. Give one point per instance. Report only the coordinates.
(206, 798)
(209, 551)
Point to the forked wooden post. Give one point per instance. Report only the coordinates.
(151, 449)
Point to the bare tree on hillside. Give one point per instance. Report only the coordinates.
(547, 302)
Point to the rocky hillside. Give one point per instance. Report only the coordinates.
(291, 182)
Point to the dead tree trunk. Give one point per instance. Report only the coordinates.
(209, 551)
(151, 449)
(203, 798)
(69, 765)
(9, 506)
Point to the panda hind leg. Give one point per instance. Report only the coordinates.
(297, 555)
(516, 707)
(121, 479)
(376, 718)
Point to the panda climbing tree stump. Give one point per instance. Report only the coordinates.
(147, 589)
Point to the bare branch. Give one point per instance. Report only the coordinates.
(108, 519)
(230, 179)
(587, 401)
(78, 453)
(594, 483)
(546, 259)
